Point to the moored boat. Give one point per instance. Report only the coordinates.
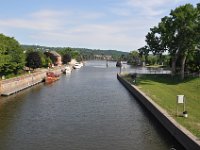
(78, 65)
(51, 77)
(67, 70)
(119, 64)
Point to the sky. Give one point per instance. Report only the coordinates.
(96, 24)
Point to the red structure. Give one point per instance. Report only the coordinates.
(51, 77)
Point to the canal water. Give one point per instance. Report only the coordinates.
(86, 110)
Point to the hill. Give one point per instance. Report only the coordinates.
(84, 52)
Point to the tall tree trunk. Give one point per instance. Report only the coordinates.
(173, 66)
(146, 58)
(174, 59)
(183, 67)
(160, 59)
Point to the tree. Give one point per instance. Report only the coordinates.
(193, 62)
(33, 60)
(185, 21)
(134, 58)
(70, 52)
(12, 58)
(51, 56)
(178, 34)
(76, 55)
(144, 51)
(154, 41)
(46, 61)
(66, 58)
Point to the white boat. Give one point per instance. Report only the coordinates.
(67, 70)
(81, 64)
(77, 66)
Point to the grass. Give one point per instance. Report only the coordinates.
(12, 75)
(163, 89)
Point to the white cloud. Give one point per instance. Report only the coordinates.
(122, 35)
(89, 15)
(69, 28)
(121, 11)
(123, 26)
(148, 8)
(41, 20)
(47, 24)
(49, 14)
(98, 40)
(50, 20)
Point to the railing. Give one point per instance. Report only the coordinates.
(144, 70)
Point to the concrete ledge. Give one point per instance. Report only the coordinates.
(17, 84)
(186, 138)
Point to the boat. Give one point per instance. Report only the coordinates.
(78, 65)
(51, 77)
(67, 70)
(81, 64)
(119, 64)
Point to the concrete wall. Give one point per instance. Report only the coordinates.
(13, 85)
(187, 139)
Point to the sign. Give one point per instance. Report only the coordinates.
(180, 99)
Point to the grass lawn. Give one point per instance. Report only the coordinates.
(163, 89)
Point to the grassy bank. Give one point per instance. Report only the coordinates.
(163, 89)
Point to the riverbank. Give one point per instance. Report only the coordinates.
(164, 89)
(16, 84)
(186, 138)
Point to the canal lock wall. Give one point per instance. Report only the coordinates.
(186, 138)
(14, 85)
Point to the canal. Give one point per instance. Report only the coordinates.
(87, 110)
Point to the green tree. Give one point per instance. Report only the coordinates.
(64, 51)
(193, 62)
(144, 51)
(134, 58)
(66, 58)
(50, 56)
(178, 34)
(46, 61)
(185, 21)
(12, 58)
(70, 52)
(33, 60)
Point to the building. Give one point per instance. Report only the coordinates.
(55, 57)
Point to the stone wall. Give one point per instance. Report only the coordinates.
(17, 84)
(13, 85)
(187, 139)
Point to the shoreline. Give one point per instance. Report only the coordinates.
(17, 84)
(185, 137)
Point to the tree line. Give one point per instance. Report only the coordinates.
(85, 53)
(37, 58)
(175, 40)
(14, 57)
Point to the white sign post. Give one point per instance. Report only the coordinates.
(180, 100)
